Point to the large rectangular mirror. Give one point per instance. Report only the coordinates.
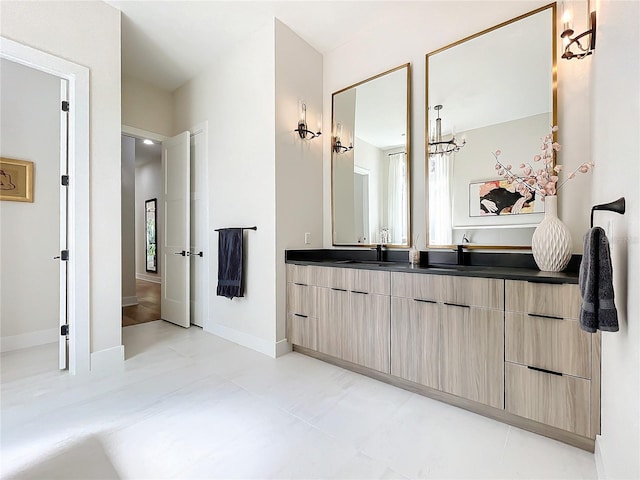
(495, 90)
(370, 161)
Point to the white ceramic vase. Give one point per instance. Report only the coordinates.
(551, 242)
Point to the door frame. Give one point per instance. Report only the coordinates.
(78, 278)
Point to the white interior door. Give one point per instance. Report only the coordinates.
(175, 300)
(63, 354)
(199, 227)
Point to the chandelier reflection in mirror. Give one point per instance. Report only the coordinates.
(437, 146)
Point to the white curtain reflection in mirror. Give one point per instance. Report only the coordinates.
(397, 198)
(440, 232)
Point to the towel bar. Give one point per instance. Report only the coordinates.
(243, 228)
(617, 206)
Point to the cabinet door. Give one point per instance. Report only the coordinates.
(333, 311)
(368, 331)
(302, 330)
(472, 356)
(415, 331)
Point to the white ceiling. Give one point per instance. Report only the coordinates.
(147, 153)
(166, 43)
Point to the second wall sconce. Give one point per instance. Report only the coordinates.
(302, 129)
(337, 142)
(589, 44)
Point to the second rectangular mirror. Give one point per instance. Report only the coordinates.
(370, 161)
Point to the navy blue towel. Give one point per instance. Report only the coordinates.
(230, 277)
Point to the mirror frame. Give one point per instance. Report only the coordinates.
(148, 216)
(554, 89)
(408, 158)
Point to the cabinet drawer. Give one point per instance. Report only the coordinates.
(416, 285)
(302, 330)
(474, 292)
(559, 401)
(557, 300)
(330, 277)
(549, 343)
(301, 299)
(369, 281)
(297, 274)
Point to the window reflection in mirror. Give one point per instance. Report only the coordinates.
(370, 161)
(497, 90)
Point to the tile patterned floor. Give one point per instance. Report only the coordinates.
(148, 308)
(191, 405)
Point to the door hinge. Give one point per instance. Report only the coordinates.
(64, 180)
(64, 330)
(65, 106)
(64, 255)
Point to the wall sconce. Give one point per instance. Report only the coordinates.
(337, 142)
(569, 40)
(302, 129)
(437, 146)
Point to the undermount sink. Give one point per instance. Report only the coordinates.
(380, 263)
(461, 267)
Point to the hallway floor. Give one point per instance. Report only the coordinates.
(188, 404)
(148, 308)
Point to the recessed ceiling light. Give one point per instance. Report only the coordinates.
(148, 142)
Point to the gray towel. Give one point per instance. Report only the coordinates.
(598, 310)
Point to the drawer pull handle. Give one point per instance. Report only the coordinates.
(339, 289)
(361, 293)
(545, 371)
(301, 316)
(457, 305)
(544, 316)
(300, 284)
(424, 301)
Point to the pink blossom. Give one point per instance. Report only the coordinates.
(527, 171)
(498, 152)
(554, 128)
(537, 158)
(497, 166)
(584, 169)
(558, 168)
(522, 165)
(573, 175)
(554, 179)
(509, 166)
(556, 146)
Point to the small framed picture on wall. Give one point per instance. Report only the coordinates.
(16, 180)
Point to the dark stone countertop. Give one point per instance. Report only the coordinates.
(400, 264)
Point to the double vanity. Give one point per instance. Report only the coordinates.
(501, 342)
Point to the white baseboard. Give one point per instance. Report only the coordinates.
(31, 339)
(282, 348)
(108, 360)
(129, 301)
(254, 343)
(597, 454)
(149, 278)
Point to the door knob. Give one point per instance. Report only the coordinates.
(183, 253)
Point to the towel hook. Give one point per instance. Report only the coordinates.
(617, 206)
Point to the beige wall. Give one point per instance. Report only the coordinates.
(146, 107)
(615, 100)
(236, 96)
(298, 163)
(30, 232)
(88, 33)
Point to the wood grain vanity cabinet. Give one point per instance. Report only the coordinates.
(552, 366)
(508, 349)
(353, 316)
